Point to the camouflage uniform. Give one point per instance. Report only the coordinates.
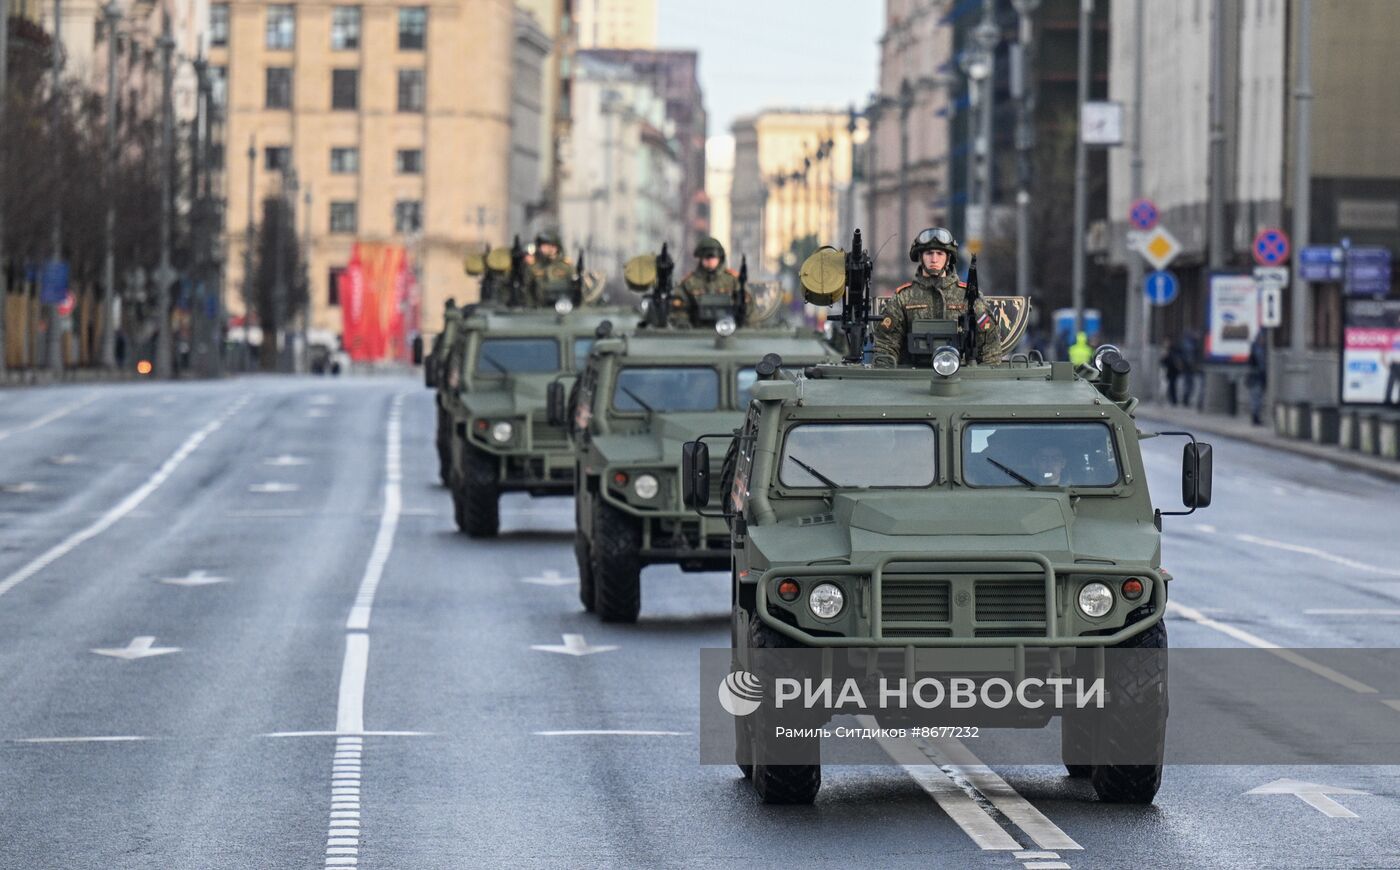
(685, 301)
(549, 280)
(930, 297)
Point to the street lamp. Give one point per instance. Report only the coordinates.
(978, 63)
(1025, 140)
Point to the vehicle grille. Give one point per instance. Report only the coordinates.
(544, 435)
(898, 631)
(908, 599)
(1010, 601)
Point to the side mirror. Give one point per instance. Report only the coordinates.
(695, 474)
(556, 404)
(418, 350)
(1196, 475)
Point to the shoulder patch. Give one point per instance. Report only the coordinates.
(887, 323)
(962, 284)
(732, 273)
(905, 286)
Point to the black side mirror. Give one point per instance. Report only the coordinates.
(555, 404)
(695, 474)
(418, 350)
(1196, 475)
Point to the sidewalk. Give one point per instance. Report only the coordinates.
(1240, 428)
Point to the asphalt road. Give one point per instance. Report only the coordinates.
(337, 678)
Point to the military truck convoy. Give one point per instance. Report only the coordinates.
(905, 510)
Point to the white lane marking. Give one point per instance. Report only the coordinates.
(619, 732)
(550, 577)
(117, 738)
(343, 829)
(286, 460)
(139, 648)
(341, 734)
(145, 412)
(1253, 640)
(317, 412)
(265, 513)
(1205, 528)
(573, 645)
(1045, 865)
(388, 524)
(322, 399)
(22, 488)
(350, 709)
(125, 506)
(273, 486)
(63, 459)
(199, 577)
(1025, 856)
(46, 418)
(1319, 554)
(1312, 794)
(1394, 705)
(954, 755)
(1354, 611)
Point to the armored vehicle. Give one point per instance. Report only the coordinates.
(638, 400)
(915, 511)
(497, 375)
(435, 377)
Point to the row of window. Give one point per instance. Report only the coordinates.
(408, 216)
(345, 27)
(344, 161)
(345, 89)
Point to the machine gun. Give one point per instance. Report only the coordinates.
(855, 306)
(517, 274)
(659, 309)
(741, 296)
(576, 283)
(970, 327)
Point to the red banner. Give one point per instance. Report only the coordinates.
(374, 291)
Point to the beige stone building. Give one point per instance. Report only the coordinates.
(396, 120)
(615, 23)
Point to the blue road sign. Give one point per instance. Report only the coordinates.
(1368, 271)
(1143, 214)
(1160, 287)
(1321, 263)
(53, 282)
(1271, 247)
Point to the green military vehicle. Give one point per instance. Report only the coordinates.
(436, 378)
(640, 398)
(921, 512)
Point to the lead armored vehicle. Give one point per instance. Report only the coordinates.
(920, 512)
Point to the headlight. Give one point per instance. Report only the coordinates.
(1095, 599)
(946, 361)
(645, 486)
(826, 600)
(563, 306)
(501, 432)
(724, 327)
(1099, 353)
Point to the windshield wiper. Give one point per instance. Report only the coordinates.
(638, 399)
(1011, 471)
(488, 358)
(826, 481)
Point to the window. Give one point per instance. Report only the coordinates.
(666, 388)
(345, 28)
(345, 160)
(279, 87)
(333, 285)
(582, 347)
(345, 89)
(410, 90)
(1039, 454)
(277, 158)
(892, 454)
(413, 28)
(218, 25)
(409, 161)
(408, 216)
(281, 27)
(744, 379)
(343, 217)
(218, 85)
(500, 356)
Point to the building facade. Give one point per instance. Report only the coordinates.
(719, 183)
(530, 152)
(396, 121)
(615, 23)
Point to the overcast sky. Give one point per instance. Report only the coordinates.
(758, 54)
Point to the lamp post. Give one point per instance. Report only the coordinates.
(1081, 166)
(54, 346)
(987, 35)
(1024, 94)
(112, 17)
(906, 103)
(976, 64)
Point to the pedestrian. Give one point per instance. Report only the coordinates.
(1171, 367)
(1081, 351)
(1189, 349)
(1258, 378)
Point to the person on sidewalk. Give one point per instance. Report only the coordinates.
(1171, 366)
(1188, 349)
(1258, 377)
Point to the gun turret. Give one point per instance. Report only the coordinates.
(855, 307)
(659, 309)
(741, 296)
(969, 318)
(576, 284)
(517, 273)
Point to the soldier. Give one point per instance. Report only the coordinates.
(551, 275)
(709, 278)
(934, 294)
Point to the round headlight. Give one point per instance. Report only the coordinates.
(501, 432)
(826, 600)
(946, 361)
(563, 305)
(1100, 352)
(1095, 599)
(725, 326)
(645, 486)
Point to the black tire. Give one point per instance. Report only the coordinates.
(616, 564)
(444, 447)
(1137, 707)
(586, 591)
(782, 783)
(476, 495)
(1076, 741)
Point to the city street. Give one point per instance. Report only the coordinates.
(239, 629)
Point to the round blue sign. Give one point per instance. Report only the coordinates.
(1143, 214)
(1271, 247)
(1160, 287)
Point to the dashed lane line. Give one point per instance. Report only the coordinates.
(126, 505)
(48, 418)
(388, 524)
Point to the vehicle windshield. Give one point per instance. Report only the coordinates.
(497, 357)
(1039, 454)
(666, 388)
(581, 348)
(859, 455)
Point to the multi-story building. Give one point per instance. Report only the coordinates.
(396, 120)
(719, 182)
(554, 18)
(615, 23)
(531, 155)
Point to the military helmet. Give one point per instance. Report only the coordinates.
(709, 245)
(934, 239)
(549, 236)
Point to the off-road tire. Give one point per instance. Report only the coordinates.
(476, 495)
(586, 591)
(1076, 741)
(1143, 686)
(782, 783)
(616, 564)
(444, 447)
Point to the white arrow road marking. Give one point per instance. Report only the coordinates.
(590, 732)
(1312, 794)
(199, 577)
(139, 648)
(273, 486)
(46, 419)
(285, 460)
(1319, 554)
(121, 738)
(550, 577)
(63, 459)
(125, 506)
(21, 488)
(574, 645)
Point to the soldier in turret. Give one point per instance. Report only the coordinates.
(551, 275)
(709, 278)
(935, 293)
